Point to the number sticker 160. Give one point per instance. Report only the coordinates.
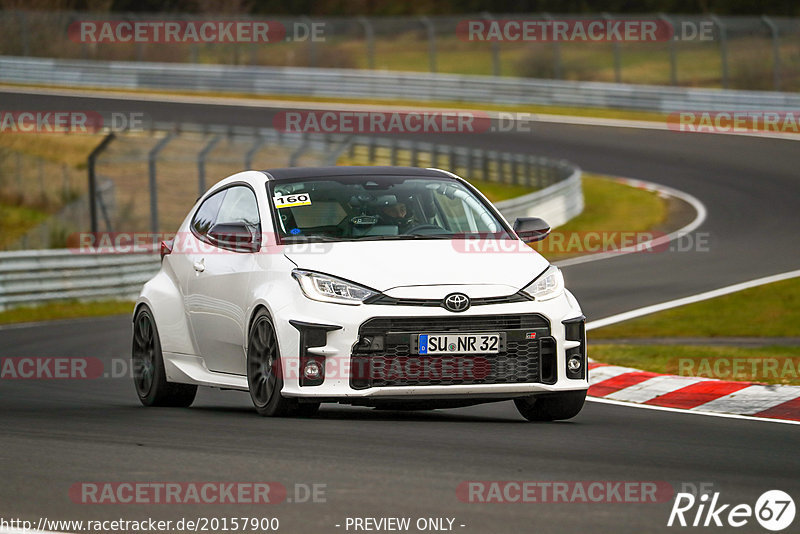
(288, 201)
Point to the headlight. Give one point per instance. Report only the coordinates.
(549, 284)
(326, 288)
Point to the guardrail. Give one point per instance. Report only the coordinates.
(414, 86)
(39, 276)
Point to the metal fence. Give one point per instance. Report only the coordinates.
(157, 174)
(761, 53)
(34, 193)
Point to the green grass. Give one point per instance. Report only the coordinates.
(16, 221)
(772, 310)
(496, 192)
(72, 149)
(65, 310)
(609, 207)
(686, 360)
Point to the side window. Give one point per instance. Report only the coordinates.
(207, 213)
(239, 206)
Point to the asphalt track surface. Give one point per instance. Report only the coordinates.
(57, 433)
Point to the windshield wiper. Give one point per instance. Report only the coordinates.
(314, 237)
(402, 237)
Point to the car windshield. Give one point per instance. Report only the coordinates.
(380, 208)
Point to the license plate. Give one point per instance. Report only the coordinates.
(459, 343)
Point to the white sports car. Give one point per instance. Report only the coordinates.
(389, 287)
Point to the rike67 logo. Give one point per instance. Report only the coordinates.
(774, 510)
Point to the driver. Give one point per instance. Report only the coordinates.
(397, 215)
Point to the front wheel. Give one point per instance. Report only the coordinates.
(551, 406)
(264, 370)
(149, 375)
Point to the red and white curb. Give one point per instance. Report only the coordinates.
(611, 383)
(701, 395)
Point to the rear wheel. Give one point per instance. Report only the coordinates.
(149, 375)
(264, 374)
(551, 406)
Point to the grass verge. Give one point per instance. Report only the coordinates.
(612, 210)
(65, 310)
(16, 221)
(72, 149)
(771, 365)
(771, 310)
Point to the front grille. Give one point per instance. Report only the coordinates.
(456, 323)
(383, 356)
(438, 303)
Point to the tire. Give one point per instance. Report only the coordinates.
(551, 406)
(264, 372)
(149, 376)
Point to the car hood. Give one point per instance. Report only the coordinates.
(384, 265)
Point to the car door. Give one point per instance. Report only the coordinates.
(217, 294)
(188, 249)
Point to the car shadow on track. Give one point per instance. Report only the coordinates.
(336, 413)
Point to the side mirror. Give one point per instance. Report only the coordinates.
(235, 236)
(531, 229)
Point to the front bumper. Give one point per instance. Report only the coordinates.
(333, 335)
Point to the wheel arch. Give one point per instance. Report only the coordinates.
(253, 314)
(166, 304)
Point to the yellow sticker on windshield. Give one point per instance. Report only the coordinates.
(289, 201)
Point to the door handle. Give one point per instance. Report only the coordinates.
(199, 266)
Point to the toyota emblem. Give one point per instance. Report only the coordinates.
(456, 302)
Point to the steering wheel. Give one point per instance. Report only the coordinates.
(423, 227)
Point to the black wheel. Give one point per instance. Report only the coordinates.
(149, 376)
(551, 406)
(264, 369)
